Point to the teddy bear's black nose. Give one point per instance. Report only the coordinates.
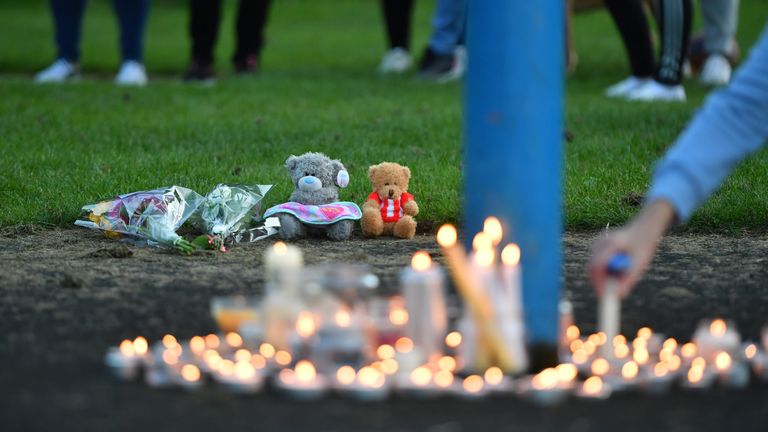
(391, 193)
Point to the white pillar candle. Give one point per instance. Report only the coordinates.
(423, 288)
(281, 261)
(609, 315)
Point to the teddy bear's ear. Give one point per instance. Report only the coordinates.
(372, 172)
(407, 172)
(340, 174)
(291, 162)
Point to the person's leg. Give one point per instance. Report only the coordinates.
(249, 33)
(132, 15)
(721, 17)
(204, 19)
(632, 23)
(448, 25)
(397, 20)
(675, 24)
(68, 18)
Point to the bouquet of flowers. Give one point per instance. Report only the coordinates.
(153, 215)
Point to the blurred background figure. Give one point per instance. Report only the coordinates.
(714, 53)
(649, 81)
(445, 57)
(204, 21)
(68, 19)
(397, 22)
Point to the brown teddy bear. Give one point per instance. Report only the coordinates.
(389, 209)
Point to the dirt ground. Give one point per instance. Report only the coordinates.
(65, 295)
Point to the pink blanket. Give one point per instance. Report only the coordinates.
(318, 214)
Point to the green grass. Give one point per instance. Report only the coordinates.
(63, 146)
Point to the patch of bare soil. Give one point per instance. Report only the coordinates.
(65, 295)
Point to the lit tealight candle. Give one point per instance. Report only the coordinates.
(190, 377)
(731, 374)
(716, 336)
(594, 389)
(244, 378)
(473, 387)
(546, 388)
(302, 382)
(658, 379)
(496, 381)
(418, 383)
(123, 360)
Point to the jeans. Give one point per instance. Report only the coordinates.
(449, 23)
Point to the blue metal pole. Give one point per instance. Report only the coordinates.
(513, 125)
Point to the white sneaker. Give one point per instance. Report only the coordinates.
(132, 73)
(61, 70)
(623, 88)
(716, 71)
(655, 91)
(396, 60)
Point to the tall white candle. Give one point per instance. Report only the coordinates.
(424, 292)
(609, 315)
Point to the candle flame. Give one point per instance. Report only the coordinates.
(453, 339)
(370, 377)
(695, 375)
(398, 315)
(126, 348)
(197, 344)
(140, 345)
(645, 333)
(342, 318)
(589, 347)
(305, 325)
(345, 375)
(639, 343)
(688, 350)
(492, 227)
(447, 236)
(576, 345)
(482, 241)
(244, 370)
(484, 257)
(212, 341)
(280, 248)
(170, 358)
(510, 255)
(621, 351)
(718, 328)
(545, 380)
(630, 370)
(267, 350)
(389, 366)
(571, 332)
(750, 351)
(566, 372)
(619, 340)
(227, 367)
(493, 375)
(242, 355)
(699, 363)
(674, 363)
(169, 340)
(600, 366)
(447, 363)
(385, 351)
(283, 358)
(421, 261)
(722, 361)
(640, 356)
(580, 356)
(660, 370)
(421, 376)
(443, 378)
(593, 385)
(595, 339)
(305, 371)
(473, 384)
(233, 339)
(287, 376)
(670, 344)
(258, 361)
(404, 345)
(190, 373)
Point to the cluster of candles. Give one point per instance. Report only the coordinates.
(648, 363)
(321, 330)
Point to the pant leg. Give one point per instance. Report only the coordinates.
(132, 15)
(448, 25)
(675, 23)
(204, 19)
(397, 20)
(68, 19)
(721, 18)
(632, 23)
(249, 31)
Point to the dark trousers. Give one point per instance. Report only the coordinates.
(675, 24)
(397, 20)
(68, 19)
(204, 21)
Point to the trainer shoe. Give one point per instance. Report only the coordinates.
(442, 67)
(61, 70)
(199, 72)
(656, 91)
(247, 65)
(395, 61)
(131, 73)
(716, 71)
(623, 88)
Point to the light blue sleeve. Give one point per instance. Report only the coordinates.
(732, 125)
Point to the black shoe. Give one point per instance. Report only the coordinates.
(201, 72)
(247, 65)
(439, 67)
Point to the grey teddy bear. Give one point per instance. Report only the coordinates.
(314, 206)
